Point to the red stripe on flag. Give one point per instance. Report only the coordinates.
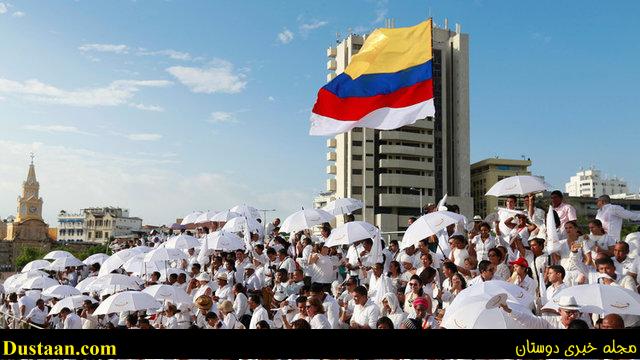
(355, 108)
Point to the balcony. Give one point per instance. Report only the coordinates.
(331, 156)
(405, 150)
(405, 136)
(406, 164)
(400, 200)
(332, 65)
(402, 180)
(331, 76)
(331, 184)
(331, 169)
(332, 52)
(332, 143)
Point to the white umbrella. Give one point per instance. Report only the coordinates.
(60, 291)
(164, 254)
(84, 285)
(479, 312)
(117, 281)
(600, 299)
(127, 301)
(56, 254)
(95, 258)
(518, 185)
(182, 241)
(191, 218)
(351, 232)
(116, 260)
(139, 267)
(305, 219)
(238, 224)
(427, 225)
(224, 216)
(247, 211)
(71, 302)
(38, 283)
(65, 262)
(13, 282)
(170, 293)
(205, 217)
(36, 265)
(343, 206)
(222, 241)
(515, 293)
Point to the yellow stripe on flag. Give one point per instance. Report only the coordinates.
(392, 50)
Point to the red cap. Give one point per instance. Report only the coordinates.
(521, 261)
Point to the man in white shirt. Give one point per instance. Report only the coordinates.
(569, 311)
(251, 281)
(565, 211)
(379, 284)
(611, 216)
(259, 312)
(224, 289)
(330, 304)
(38, 315)
(366, 313)
(623, 263)
(25, 303)
(286, 262)
(70, 320)
(486, 269)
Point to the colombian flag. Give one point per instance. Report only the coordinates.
(387, 85)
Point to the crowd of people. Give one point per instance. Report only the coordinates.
(295, 281)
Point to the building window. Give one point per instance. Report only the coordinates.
(356, 190)
(356, 143)
(356, 157)
(356, 171)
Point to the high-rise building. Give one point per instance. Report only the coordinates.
(396, 172)
(485, 173)
(590, 183)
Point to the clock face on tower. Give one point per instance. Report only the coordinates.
(33, 209)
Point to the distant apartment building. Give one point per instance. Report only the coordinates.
(487, 172)
(96, 225)
(591, 183)
(394, 172)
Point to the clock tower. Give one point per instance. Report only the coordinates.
(30, 204)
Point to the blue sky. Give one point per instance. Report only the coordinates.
(164, 107)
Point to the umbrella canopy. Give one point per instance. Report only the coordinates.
(71, 302)
(170, 293)
(191, 218)
(515, 293)
(182, 241)
(62, 263)
(164, 254)
(116, 260)
(39, 283)
(36, 265)
(343, 206)
(60, 291)
(139, 267)
(518, 185)
(428, 225)
(222, 241)
(84, 285)
(352, 232)
(176, 226)
(115, 280)
(13, 282)
(305, 219)
(205, 217)
(56, 254)
(127, 301)
(479, 312)
(239, 223)
(224, 216)
(600, 299)
(95, 258)
(247, 211)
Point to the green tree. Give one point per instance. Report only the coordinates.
(29, 254)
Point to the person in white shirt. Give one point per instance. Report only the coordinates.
(522, 276)
(259, 312)
(316, 313)
(612, 216)
(330, 304)
(486, 269)
(379, 283)
(38, 315)
(286, 262)
(555, 275)
(390, 307)
(599, 241)
(623, 263)
(251, 281)
(479, 246)
(366, 313)
(70, 320)
(569, 311)
(224, 291)
(241, 302)
(565, 211)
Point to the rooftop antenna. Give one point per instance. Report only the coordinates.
(32, 155)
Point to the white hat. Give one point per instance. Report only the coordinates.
(604, 276)
(250, 267)
(279, 296)
(568, 303)
(405, 258)
(221, 276)
(203, 277)
(477, 218)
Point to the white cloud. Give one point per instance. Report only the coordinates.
(222, 117)
(57, 129)
(170, 53)
(148, 185)
(286, 36)
(381, 11)
(112, 48)
(18, 14)
(144, 137)
(147, 107)
(271, 98)
(3, 8)
(218, 77)
(313, 25)
(116, 93)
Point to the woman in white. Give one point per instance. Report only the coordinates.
(228, 316)
(481, 243)
(14, 311)
(241, 303)
(204, 285)
(502, 270)
(323, 268)
(459, 252)
(520, 231)
(316, 313)
(390, 307)
(570, 253)
(599, 241)
(458, 283)
(522, 276)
